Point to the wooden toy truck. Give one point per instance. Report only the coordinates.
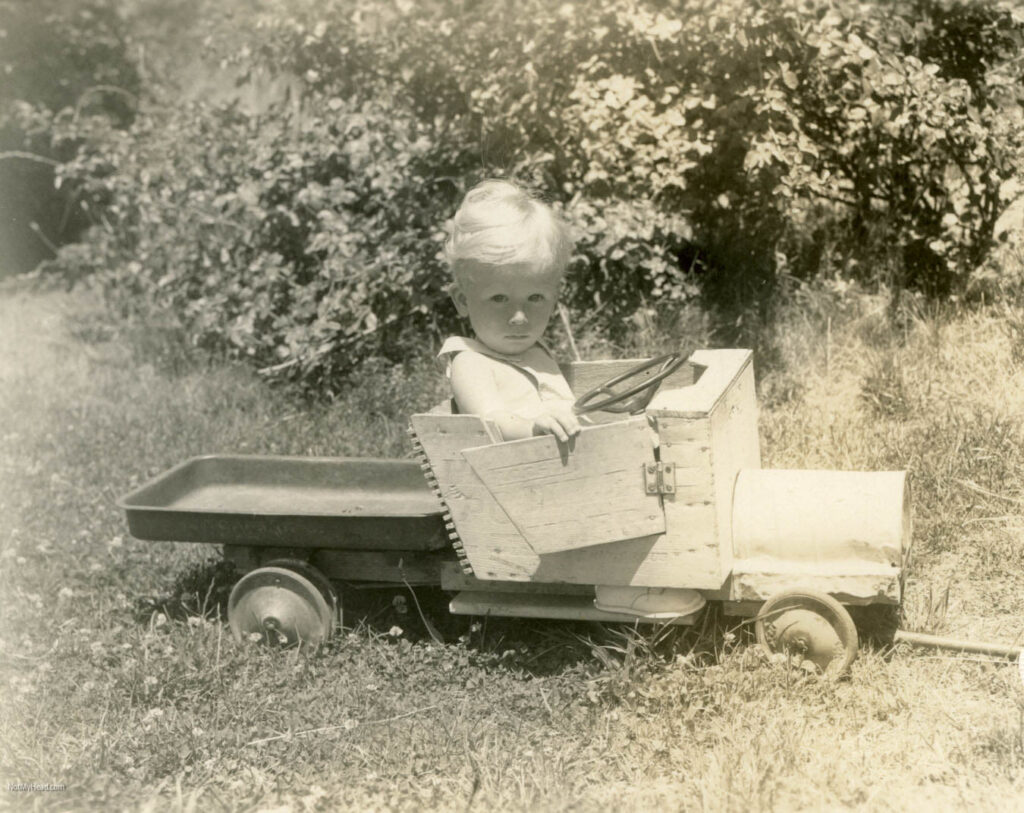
(661, 503)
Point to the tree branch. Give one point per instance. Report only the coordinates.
(28, 156)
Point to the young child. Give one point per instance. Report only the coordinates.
(508, 252)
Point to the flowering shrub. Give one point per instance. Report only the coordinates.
(700, 149)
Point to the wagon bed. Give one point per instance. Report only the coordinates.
(303, 502)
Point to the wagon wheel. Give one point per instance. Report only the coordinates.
(634, 398)
(809, 624)
(282, 606)
(319, 580)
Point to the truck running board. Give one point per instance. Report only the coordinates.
(533, 605)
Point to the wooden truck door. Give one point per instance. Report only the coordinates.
(566, 497)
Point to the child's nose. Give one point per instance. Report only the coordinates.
(518, 318)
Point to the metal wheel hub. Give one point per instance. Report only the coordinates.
(811, 625)
(282, 607)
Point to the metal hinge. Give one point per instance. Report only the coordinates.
(659, 478)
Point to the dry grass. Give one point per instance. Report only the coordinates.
(139, 709)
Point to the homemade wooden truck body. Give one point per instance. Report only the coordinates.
(674, 497)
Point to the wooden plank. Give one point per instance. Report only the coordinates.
(855, 588)
(453, 579)
(691, 521)
(414, 567)
(493, 545)
(450, 434)
(721, 369)
(736, 445)
(566, 497)
(498, 551)
(710, 432)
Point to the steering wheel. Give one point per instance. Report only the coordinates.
(635, 398)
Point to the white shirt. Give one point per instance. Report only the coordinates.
(538, 379)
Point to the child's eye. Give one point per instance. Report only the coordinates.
(537, 297)
(499, 298)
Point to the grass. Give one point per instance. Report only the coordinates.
(118, 685)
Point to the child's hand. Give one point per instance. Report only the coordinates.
(558, 419)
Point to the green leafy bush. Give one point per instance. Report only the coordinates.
(62, 64)
(702, 151)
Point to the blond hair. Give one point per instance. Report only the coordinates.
(500, 223)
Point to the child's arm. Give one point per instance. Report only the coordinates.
(476, 392)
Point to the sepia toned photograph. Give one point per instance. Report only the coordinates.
(478, 405)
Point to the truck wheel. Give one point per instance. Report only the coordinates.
(811, 625)
(282, 607)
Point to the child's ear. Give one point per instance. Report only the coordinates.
(459, 298)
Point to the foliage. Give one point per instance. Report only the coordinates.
(57, 60)
(58, 55)
(908, 122)
(702, 151)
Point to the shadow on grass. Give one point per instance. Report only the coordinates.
(420, 616)
(201, 589)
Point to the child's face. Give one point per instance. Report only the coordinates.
(508, 306)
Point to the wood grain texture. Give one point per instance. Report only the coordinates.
(717, 370)
(563, 497)
(709, 432)
(691, 521)
(491, 543)
(499, 552)
(453, 579)
(692, 552)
